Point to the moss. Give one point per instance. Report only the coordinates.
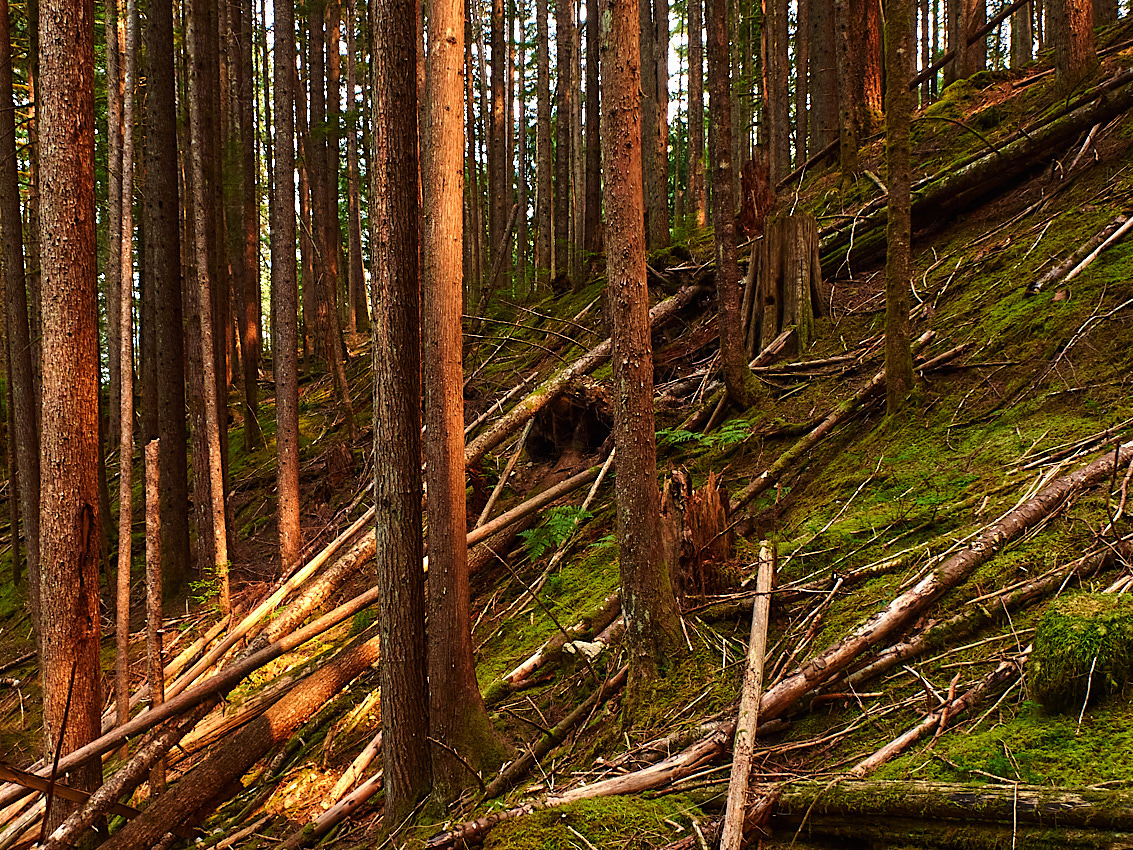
(631, 823)
(1084, 643)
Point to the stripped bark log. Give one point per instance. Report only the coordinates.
(553, 386)
(214, 777)
(747, 720)
(1060, 270)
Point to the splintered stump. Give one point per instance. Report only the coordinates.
(695, 535)
(788, 280)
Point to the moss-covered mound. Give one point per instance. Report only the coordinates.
(1077, 634)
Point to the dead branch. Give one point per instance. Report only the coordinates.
(768, 478)
(1060, 270)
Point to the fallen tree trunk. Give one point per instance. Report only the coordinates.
(768, 478)
(212, 780)
(913, 602)
(515, 418)
(1029, 804)
(952, 191)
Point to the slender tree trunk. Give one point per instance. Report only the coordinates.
(577, 157)
(24, 436)
(652, 118)
(866, 64)
(543, 223)
(456, 710)
(802, 88)
(696, 203)
(162, 240)
(847, 126)
(69, 530)
(113, 267)
(823, 121)
(498, 201)
(306, 221)
(647, 595)
(154, 622)
(1022, 37)
(593, 230)
(741, 383)
(341, 307)
(898, 109)
(249, 298)
(126, 359)
(355, 275)
(964, 18)
(564, 92)
(210, 466)
(397, 412)
(285, 289)
(523, 235)
(776, 94)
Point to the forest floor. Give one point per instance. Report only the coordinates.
(1041, 389)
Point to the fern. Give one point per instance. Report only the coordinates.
(730, 433)
(558, 525)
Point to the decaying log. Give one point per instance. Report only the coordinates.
(770, 476)
(515, 418)
(211, 780)
(954, 190)
(1026, 804)
(747, 720)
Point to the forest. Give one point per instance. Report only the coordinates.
(537, 425)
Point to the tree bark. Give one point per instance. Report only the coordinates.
(543, 165)
(164, 361)
(155, 675)
(696, 204)
(847, 125)
(965, 17)
(823, 122)
(898, 237)
(776, 96)
(1070, 29)
(456, 711)
(394, 221)
(564, 94)
(25, 435)
(284, 285)
(355, 273)
(789, 279)
(593, 230)
(69, 509)
(742, 386)
(1022, 37)
(647, 592)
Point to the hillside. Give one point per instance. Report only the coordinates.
(1036, 387)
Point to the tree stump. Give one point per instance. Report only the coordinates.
(788, 277)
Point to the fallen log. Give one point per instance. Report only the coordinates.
(770, 476)
(953, 191)
(515, 418)
(200, 789)
(1060, 270)
(912, 603)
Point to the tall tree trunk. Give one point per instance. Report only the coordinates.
(113, 267)
(523, 235)
(208, 465)
(866, 62)
(1070, 28)
(499, 203)
(285, 289)
(847, 125)
(543, 223)
(126, 361)
(964, 18)
(898, 288)
(456, 710)
(24, 436)
(777, 105)
(306, 219)
(564, 92)
(249, 296)
(593, 230)
(654, 122)
(823, 121)
(355, 274)
(69, 530)
(802, 80)
(341, 307)
(165, 365)
(741, 383)
(647, 594)
(397, 411)
(1022, 37)
(696, 204)
(577, 157)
